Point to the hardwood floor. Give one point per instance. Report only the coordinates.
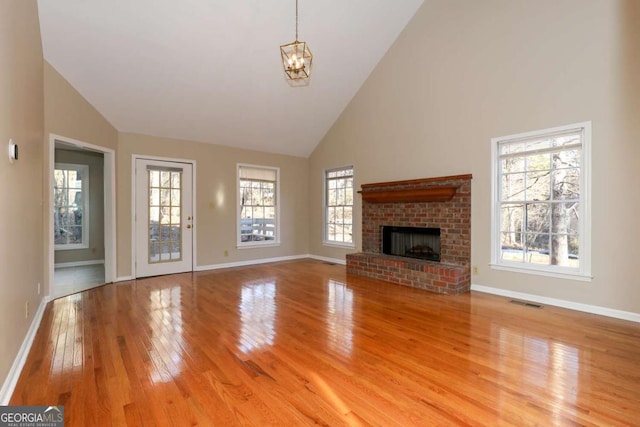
(301, 343)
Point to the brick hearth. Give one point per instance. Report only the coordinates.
(406, 204)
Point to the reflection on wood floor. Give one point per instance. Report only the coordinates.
(302, 342)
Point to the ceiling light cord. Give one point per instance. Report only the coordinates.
(296, 20)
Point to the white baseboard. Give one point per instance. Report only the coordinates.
(123, 279)
(79, 263)
(14, 373)
(327, 259)
(593, 309)
(249, 262)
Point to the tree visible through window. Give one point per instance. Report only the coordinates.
(70, 214)
(339, 205)
(258, 205)
(540, 204)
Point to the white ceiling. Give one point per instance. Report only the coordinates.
(210, 70)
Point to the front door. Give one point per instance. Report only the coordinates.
(163, 217)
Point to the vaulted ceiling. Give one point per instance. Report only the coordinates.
(210, 70)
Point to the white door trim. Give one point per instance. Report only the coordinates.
(134, 158)
(109, 207)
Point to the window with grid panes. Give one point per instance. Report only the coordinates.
(338, 201)
(258, 205)
(71, 206)
(540, 193)
(165, 220)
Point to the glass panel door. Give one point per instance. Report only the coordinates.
(165, 222)
(164, 219)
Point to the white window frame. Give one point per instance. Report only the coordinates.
(265, 243)
(583, 272)
(84, 171)
(325, 207)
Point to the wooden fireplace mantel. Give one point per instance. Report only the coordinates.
(383, 192)
(435, 194)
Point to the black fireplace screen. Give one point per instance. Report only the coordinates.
(411, 242)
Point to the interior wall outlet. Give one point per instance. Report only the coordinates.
(38, 288)
(26, 310)
(226, 252)
(474, 269)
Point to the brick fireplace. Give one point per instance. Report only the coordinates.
(442, 203)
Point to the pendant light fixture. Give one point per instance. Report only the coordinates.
(296, 57)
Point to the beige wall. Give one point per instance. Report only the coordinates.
(68, 114)
(465, 71)
(95, 161)
(216, 198)
(21, 111)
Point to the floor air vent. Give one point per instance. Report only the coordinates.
(329, 263)
(525, 303)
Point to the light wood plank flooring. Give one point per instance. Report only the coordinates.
(303, 343)
(69, 280)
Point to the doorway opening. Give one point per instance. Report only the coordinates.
(81, 230)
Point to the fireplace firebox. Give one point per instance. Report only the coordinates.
(411, 242)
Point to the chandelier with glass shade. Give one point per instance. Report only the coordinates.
(296, 57)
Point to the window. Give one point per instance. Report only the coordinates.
(71, 206)
(541, 195)
(338, 202)
(258, 208)
(165, 196)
